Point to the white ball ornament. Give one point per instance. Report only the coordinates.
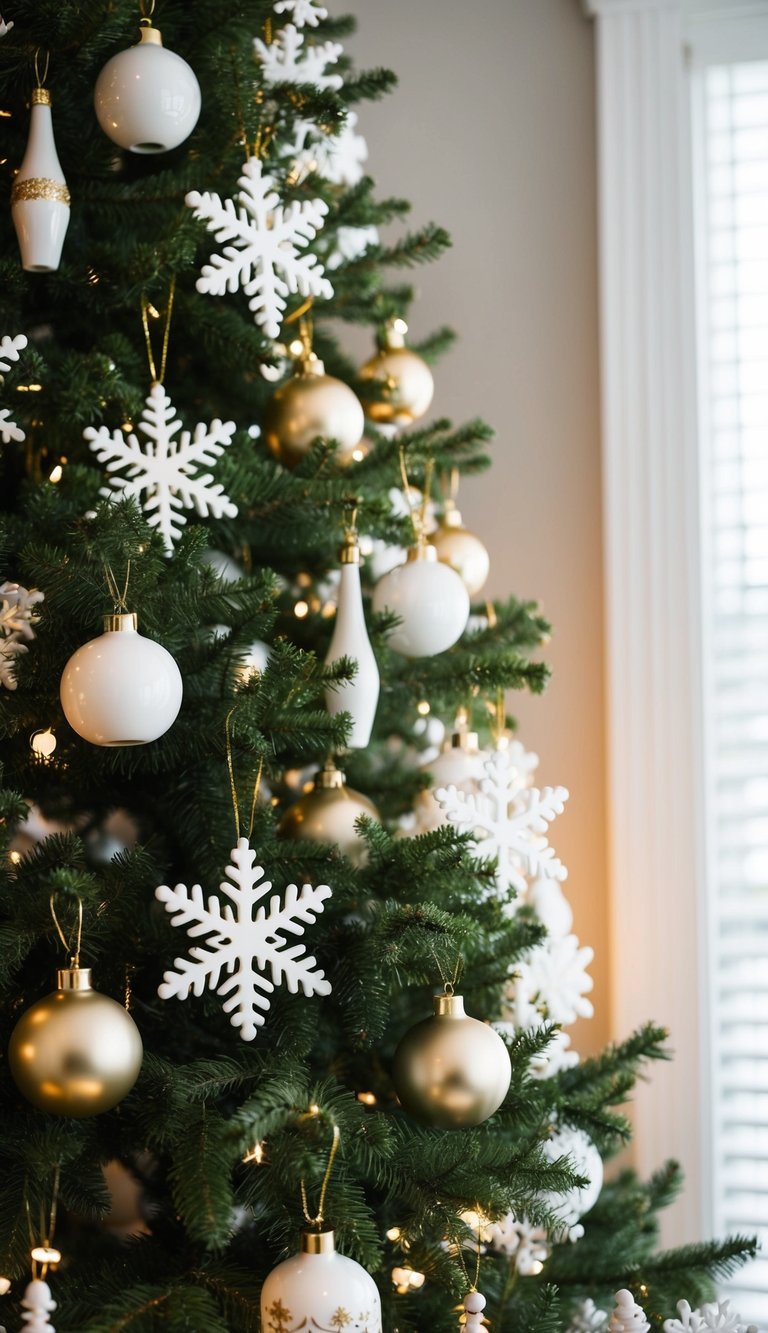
(430, 599)
(461, 549)
(320, 1288)
(147, 98)
(121, 688)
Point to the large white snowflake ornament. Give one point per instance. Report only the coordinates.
(552, 983)
(9, 352)
(528, 1245)
(587, 1318)
(717, 1315)
(288, 59)
(18, 614)
(338, 158)
(264, 244)
(305, 13)
(164, 474)
(244, 943)
(509, 821)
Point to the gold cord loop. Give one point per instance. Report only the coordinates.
(40, 81)
(146, 309)
(73, 954)
(118, 598)
(319, 1218)
(233, 784)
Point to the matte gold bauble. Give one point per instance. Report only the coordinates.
(451, 1071)
(403, 378)
(75, 1052)
(328, 814)
(309, 406)
(461, 549)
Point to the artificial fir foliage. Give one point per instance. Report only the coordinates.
(218, 1133)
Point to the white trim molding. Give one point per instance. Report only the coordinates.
(651, 518)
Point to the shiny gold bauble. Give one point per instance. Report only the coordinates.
(328, 814)
(312, 405)
(451, 1071)
(462, 550)
(404, 380)
(75, 1052)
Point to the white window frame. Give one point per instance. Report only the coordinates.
(646, 50)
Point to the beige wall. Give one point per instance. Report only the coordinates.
(491, 133)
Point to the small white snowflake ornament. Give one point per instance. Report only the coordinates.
(528, 1245)
(164, 474)
(18, 614)
(243, 944)
(716, 1315)
(568, 1141)
(338, 157)
(9, 352)
(37, 1303)
(5, 27)
(351, 243)
(627, 1317)
(552, 983)
(265, 244)
(304, 13)
(509, 821)
(288, 59)
(588, 1319)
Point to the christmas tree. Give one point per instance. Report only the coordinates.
(229, 804)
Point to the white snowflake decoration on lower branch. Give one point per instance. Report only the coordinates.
(165, 473)
(9, 351)
(509, 821)
(242, 945)
(18, 614)
(587, 1318)
(265, 250)
(716, 1315)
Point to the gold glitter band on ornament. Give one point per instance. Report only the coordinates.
(39, 187)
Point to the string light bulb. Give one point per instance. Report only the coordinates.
(46, 1254)
(407, 1279)
(43, 743)
(256, 1154)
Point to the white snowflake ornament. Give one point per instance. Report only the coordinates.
(556, 1057)
(18, 615)
(37, 1303)
(338, 157)
(717, 1315)
(586, 1161)
(265, 240)
(288, 59)
(552, 983)
(509, 821)
(243, 945)
(5, 27)
(305, 13)
(351, 243)
(520, 1240)
(627, 1317)
(587, 1318)
(165, 473)
(9, 352)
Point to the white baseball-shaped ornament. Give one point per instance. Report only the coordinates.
(430, 599)
(121, 688)
(147, 98)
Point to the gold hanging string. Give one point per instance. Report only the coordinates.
(118, 597)
(414, 514)
(146, 9)
(428, 471)
(499, 710)
(300, 311)
(233, 784)
(319, 1218)
(41, 80)
(146, 307)
(74, 954)
(350, 505)
(471, 1286)
(46, 1232)
(448, 986)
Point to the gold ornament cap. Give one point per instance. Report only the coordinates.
(422, 551)
(121, 622)
(349, 554)
(394, 334)
(74, 978)
(329, 777)
(40, 97)
(448, 1005)
(451, 517)
(318, 1242)
(465, 740)
(309, 364)
(149, 35)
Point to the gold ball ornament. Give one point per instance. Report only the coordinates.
(461, 549)
(75, 1052)
(451, 1071)
(328, 812)
(312, 405)
(403, 378)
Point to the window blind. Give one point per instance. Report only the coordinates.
(733, 304)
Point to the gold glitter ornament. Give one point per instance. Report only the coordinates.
(75, 1052)
(403, 378)
(451, 1071)
(309, 406)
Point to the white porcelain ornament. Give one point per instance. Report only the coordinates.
(431, 600)
(39, 196)
(147, 98)
(320, 1289)
(121, 688)
(358, 696)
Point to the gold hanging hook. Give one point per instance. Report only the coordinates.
(74, 955)
(41, 81)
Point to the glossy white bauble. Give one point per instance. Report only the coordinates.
(121, 688)
(431, 600)
(459, 766)
(319, 1288)
(147, 99)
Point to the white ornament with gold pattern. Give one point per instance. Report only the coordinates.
(461, 549)
(319, 1288)
(39, 196)
(430, 599)
(147, 98)
(358, 696)
(402, 377)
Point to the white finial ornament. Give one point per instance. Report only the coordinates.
(627, 1317)
(39, 195)
(359, 696)
(37, 1304)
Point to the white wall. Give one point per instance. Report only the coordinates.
(491, 133)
